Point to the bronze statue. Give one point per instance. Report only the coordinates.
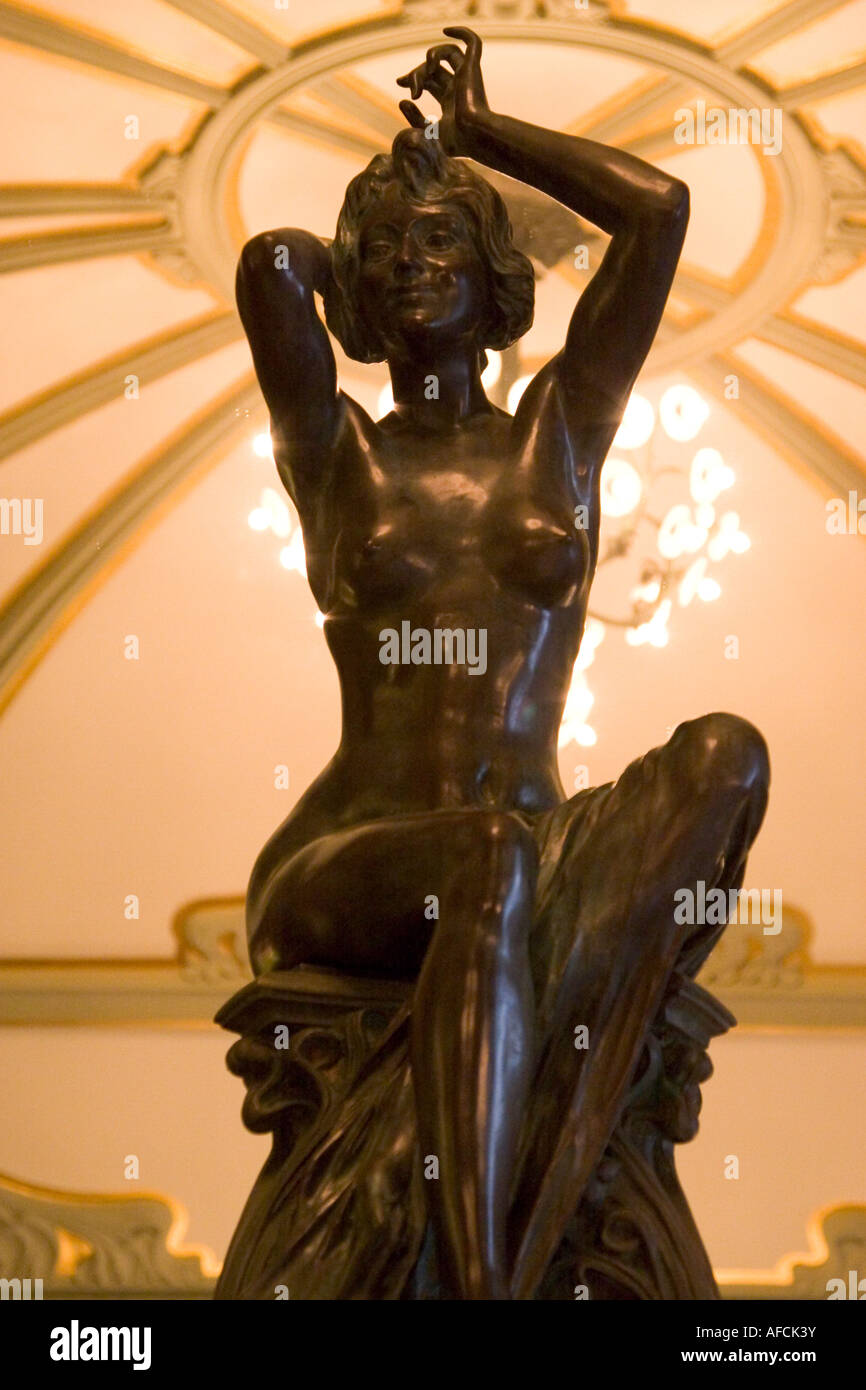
(438, 847)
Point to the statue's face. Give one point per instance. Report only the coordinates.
(421, 274)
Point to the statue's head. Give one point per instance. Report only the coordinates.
(424, 252)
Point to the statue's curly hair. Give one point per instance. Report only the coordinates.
(425, 174)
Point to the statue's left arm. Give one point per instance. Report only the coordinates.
(644, 210)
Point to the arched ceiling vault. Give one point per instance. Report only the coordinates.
(186, 205)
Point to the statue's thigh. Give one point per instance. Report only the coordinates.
(369, 897)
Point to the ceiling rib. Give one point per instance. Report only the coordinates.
(610, 128)
(39, 607)
(97, 386)
(24, 253)
(47, 199)
(35, 31)
(733, 52)
(844, 357)
(232, 26)
(773, 27)
(833, 351)
(830, 84)
(333, 136)
(769, 412)
(350, 100)
(759, 403)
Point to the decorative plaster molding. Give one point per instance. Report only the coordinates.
(103, 1246)
(815, 232)
(104, 382)
(100, 1246)
(837, 1240)
(765, 981)
(35, 612)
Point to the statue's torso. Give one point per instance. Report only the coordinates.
(470, 535)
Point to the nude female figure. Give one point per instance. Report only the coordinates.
(449, 513)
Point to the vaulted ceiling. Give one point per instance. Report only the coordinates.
(145, 142)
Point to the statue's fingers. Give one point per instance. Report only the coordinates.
(467, 36)
(444, 53)
(413, 115)
(414, 80)
(438, 82)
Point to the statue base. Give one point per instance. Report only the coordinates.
(339, 1212)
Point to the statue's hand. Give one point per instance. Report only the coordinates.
(460, 92)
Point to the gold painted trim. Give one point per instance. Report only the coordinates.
(771, 985)
(731, 362)
(73, 397)
(158, 510)
(174, 1242)
(783, 1275)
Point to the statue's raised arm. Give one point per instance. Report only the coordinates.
(644, 210)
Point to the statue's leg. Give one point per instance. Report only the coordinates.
(472, 1052)
(687, 811)
(357, 899)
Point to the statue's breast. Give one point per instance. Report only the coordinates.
(410, 545)
(533, 551)
(494, 517)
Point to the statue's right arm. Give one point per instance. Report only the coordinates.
(278, 275)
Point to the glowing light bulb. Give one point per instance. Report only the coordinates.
(678, 533)
(648, 592)
(262, 446)
(709, 475)
(654, 631)
(682, 412)
(319, 619)
(728, 537)
(515, 391)
(638, 423)
(621, 487)
(690, 583)
(709, 589)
